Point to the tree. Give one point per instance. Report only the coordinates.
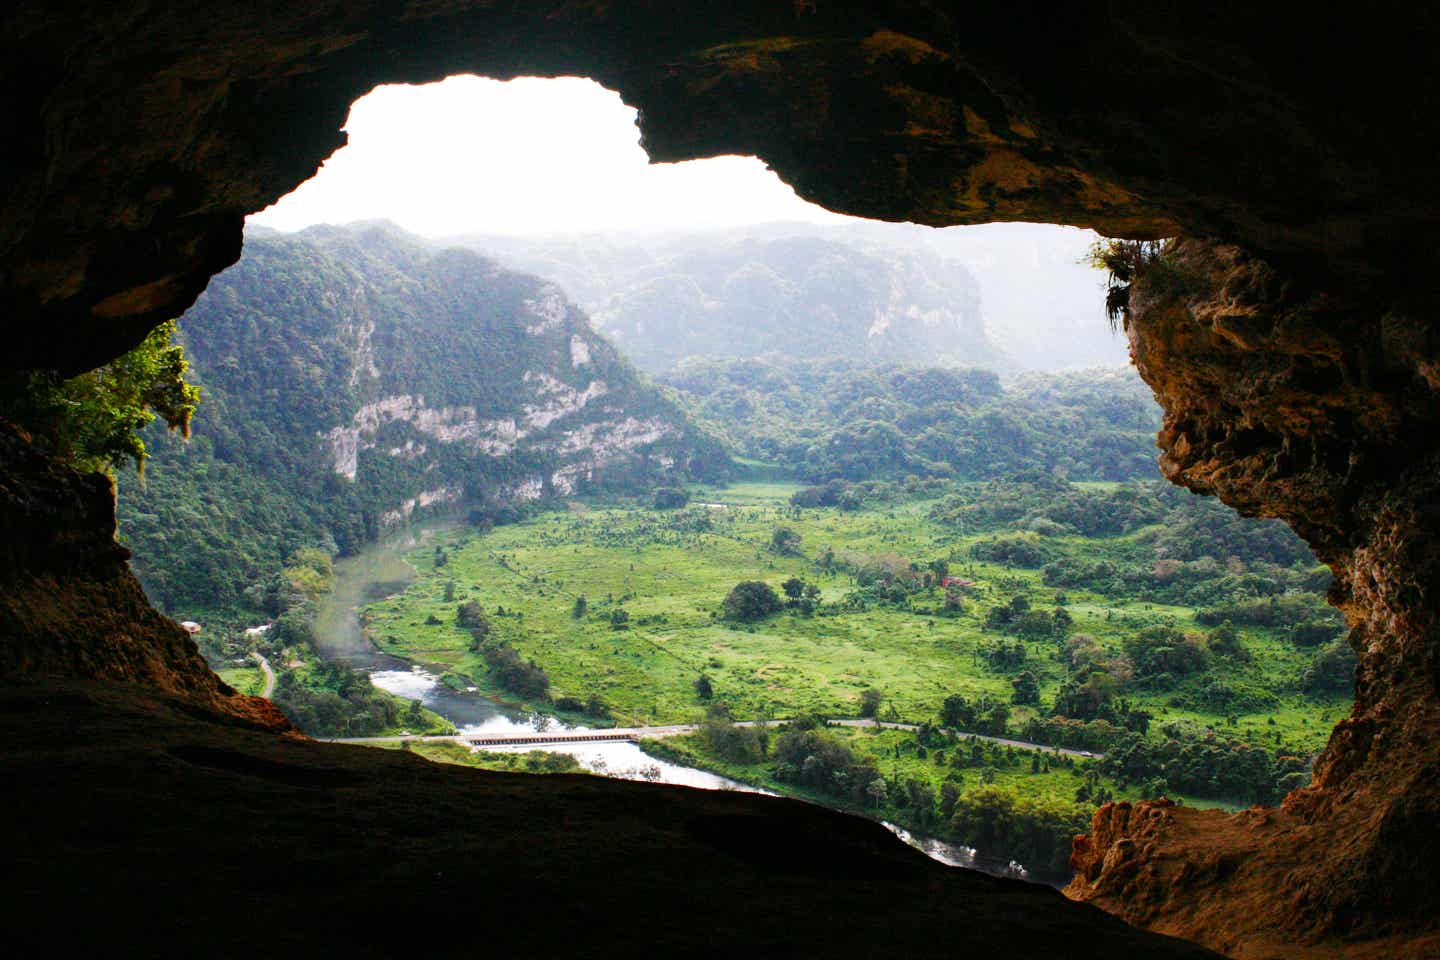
(794, 588)
(870, 700)
(669, 498)
(94, 420)
(957, 713)
(876, 791)
(1026, 688)
(577, 611)
(1225, 640)
(751, 600)
(785, 542)
(471, 616)
(704, 689)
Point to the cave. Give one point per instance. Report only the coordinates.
(1291, 348)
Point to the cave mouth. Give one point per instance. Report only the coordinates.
(426, 157)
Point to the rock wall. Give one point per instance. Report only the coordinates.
(1287, 400)
(69, 606)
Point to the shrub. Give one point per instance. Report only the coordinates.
(669, 498)
(751, 600)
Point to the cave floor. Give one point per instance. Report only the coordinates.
(142, 824)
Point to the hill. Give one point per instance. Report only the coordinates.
(741, 294)
(354, 377)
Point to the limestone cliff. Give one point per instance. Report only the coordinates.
(356, 378)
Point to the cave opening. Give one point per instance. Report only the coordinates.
(1289, 344)
(548, 177)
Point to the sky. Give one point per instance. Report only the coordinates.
(470, 155)
(526, 156)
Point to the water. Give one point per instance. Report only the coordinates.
(381, 571)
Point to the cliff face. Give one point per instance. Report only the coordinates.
(1297, 376)
(1288, 401)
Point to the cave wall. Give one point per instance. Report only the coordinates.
(1295, 360)
(1286, 400)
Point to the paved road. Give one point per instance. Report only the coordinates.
(269, 687)
(1004, 742)
(680, 729)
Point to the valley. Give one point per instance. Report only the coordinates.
(614, 614)
(446, 503)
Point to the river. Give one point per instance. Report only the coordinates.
(380, 571)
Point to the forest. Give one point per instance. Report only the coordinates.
(839, 419)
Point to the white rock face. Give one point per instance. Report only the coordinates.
(445, 424)
(548, 311)
(579, 351)
(425, 498)
(528, 489)
(560, 399)
(605, 439)
(363, 330)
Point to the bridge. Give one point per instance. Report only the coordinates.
(609, 736)
(622, 734)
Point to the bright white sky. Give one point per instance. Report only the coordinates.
(470, 155)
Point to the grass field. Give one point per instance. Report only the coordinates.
(248, 680)
(670, 570)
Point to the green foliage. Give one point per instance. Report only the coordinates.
(751, 600)
(94, 420)
(745, 745)
(817, 759)
(1162, 651)
(1332, 670)
(785, 541)
(669, 498)
(837, 420)
(513, 673)
(1125, 262)
(665, 572)
(331, 699)
(300, 339)
(1205, 765)
(1036, 831)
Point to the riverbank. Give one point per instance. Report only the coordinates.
(948, 848)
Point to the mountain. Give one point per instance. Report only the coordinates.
(1019, 294)
(354, 377)
(738, 294)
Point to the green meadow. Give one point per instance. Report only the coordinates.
(668, 571)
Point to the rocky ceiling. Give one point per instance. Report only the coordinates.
(1292, 343)
(140, 133)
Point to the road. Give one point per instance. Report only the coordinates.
(680, 729)
(269, 687)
